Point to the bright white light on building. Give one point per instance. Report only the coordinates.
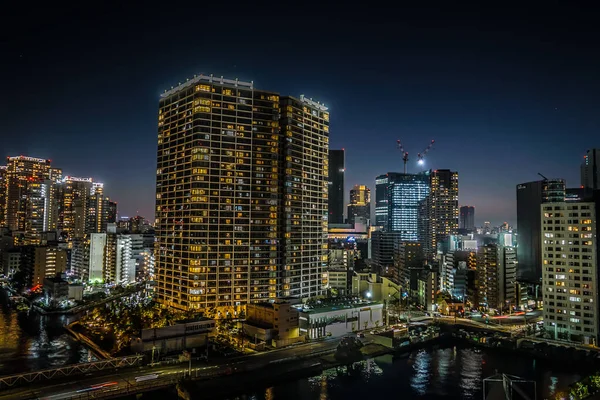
(421, 162)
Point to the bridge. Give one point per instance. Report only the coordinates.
(75, 369)
(116, 380)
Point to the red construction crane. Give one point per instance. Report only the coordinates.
(420, 156)
(404, 154)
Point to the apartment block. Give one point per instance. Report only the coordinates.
(570, 270)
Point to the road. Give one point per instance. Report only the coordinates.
(112, 380)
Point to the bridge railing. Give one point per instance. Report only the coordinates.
(75, 369)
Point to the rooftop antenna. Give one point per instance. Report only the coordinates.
(543, 176)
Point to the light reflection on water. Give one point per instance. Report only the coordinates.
(424, 374)
(32, 342)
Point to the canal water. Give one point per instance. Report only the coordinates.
(31, 342)
(449, 373)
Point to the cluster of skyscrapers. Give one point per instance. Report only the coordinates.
(54, 225)
(250, 208)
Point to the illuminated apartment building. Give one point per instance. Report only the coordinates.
(226, 169)
(26, 187)
(441, 209)
(360, 203)
(75, 196)
(305, 127)
(48, 261)
(570, 270)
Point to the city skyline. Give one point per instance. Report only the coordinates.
(489, 109)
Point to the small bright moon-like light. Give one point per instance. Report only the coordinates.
(421, 162)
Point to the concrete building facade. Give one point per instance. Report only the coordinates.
(570, 270)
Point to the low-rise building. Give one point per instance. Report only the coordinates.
(339, 280)
(276, 321)
(76, 292)
(183, 335)
(56, 287)
(337, 319)
(374, 287)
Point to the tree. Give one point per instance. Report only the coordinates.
(580, 390)
(529, 330)
(348, 351)
(595, 381)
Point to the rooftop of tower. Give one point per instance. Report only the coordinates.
(207, 78)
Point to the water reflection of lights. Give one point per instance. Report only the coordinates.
(471, 376)
(31, 342)
(422, 370)
(330, 378)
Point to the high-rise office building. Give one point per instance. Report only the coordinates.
(441, 209)
(530, 196)
(381, 201)
(590, 170)
(467, 218)
(337, 172)
(26, 189)
(241, 209)
(360, 203)
(405, 192)
(570, 250)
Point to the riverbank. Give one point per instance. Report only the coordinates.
(246, 381)
(32, 342)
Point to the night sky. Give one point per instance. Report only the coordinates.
(506, 93)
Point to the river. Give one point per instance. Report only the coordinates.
(450, 373)
(30, 342)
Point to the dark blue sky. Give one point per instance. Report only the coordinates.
(505, 92)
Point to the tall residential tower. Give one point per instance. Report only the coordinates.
(441, 209)
(241, 195)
